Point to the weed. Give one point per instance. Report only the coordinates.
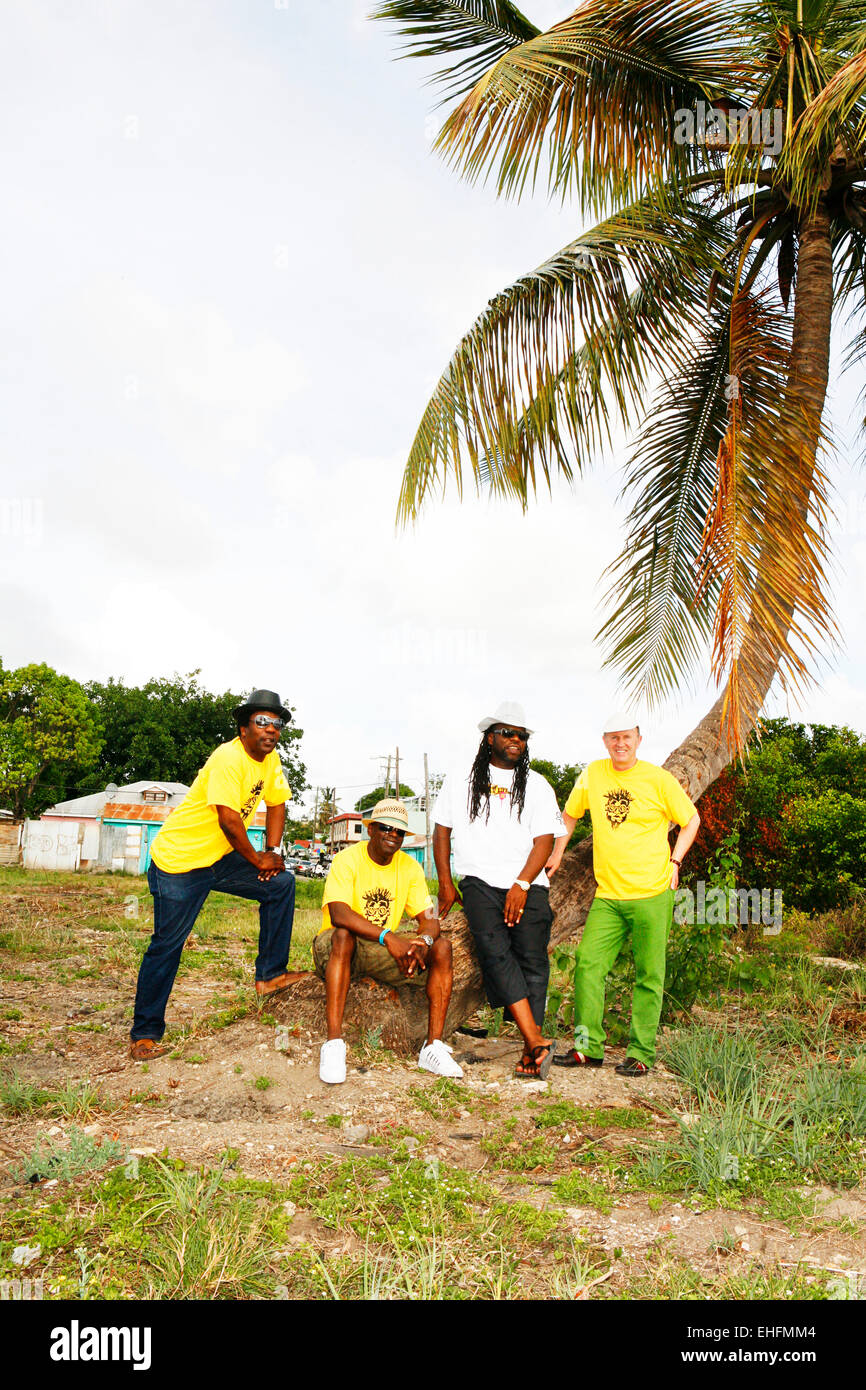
(75, 1101)
(17, 1096)
(564, 1112)
(510, 1154)
(579, 1188)
(443, 1098)
(83, 1154)
(210, 1241)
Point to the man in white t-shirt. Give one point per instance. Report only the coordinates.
(503, 819)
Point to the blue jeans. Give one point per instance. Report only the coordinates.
(177, 901)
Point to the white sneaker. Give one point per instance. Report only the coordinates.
(332, 1062)
(436, 1057)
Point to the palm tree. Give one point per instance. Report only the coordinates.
(724, 150)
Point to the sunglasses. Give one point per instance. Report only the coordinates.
(262, 721)
(388, 829)
(513, 733)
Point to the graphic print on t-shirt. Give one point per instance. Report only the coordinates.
(377, 906)
(252, 800)
(617, 805)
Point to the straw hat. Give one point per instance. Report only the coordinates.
(389, 811)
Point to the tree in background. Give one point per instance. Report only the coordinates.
(166, 729)
(562, 779)
(794, 815)
(49, 731)
(327, 809)
(369, 799)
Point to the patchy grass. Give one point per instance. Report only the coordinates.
(767, 1119)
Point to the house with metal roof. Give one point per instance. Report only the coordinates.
(111, 829)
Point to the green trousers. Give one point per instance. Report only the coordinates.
(647, 921)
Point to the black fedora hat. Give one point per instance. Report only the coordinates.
(262, 699)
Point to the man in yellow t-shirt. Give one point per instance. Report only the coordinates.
(204, 846)
(367, 890)
(631, 804)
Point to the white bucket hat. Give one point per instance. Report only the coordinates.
(619, 721)
(510, 714)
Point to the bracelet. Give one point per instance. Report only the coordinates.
(678, 862)
(382, 935)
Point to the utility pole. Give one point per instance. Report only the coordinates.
(427, 869)
(398, 774)
(315, 818)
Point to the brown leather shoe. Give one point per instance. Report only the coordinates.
(279, 982)
(144, 1049)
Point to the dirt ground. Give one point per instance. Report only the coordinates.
(250, 1087)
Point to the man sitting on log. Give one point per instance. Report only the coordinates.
(366, 892)
(504, 818)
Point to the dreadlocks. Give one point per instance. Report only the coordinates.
(479, 781)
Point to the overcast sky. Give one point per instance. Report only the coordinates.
(233, 272)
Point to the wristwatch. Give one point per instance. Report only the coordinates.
(522, 883)
(428, 940)
(274, 849)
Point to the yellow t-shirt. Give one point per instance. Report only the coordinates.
(191, 837)
(379, 892)
(630, 815)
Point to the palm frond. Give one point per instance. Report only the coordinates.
(555, 358)
(658, 630)
(833, 125)
(486, 29)
(850, 290)
(601, 92)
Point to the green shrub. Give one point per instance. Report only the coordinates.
(826, 836)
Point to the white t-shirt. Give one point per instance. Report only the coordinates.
(496, 849)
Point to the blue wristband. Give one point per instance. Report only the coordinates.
(382, 936)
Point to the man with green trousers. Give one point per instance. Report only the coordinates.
(631, 804)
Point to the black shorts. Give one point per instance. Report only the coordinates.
(514, 960)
